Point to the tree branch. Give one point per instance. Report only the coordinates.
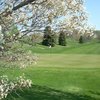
(22, 4)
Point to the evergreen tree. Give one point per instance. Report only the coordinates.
(62, 39)
(49, 37)
(81, 39)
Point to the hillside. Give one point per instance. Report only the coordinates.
(61, 73)
(72, 48)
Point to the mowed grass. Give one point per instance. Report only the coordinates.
(61, 73)
(73, 47)
(72, 73)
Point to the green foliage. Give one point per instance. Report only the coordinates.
(7, 38)
(62, 39)
(13, 30)
(36, 38)
(97, 33)
(49, 37)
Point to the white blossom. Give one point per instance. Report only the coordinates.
(7, 86)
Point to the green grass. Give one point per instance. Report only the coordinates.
(45, 93)
(75, 74)
(73, 47)
(61, 73)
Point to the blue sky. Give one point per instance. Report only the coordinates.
(93, 8)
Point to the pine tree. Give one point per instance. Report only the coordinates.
(62, 39)
(49, 37)
(81, 39)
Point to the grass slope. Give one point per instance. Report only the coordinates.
(69, 72)
(45, 93)
(76, 74)
(71, 48)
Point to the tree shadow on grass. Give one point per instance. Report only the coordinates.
(45, 93)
